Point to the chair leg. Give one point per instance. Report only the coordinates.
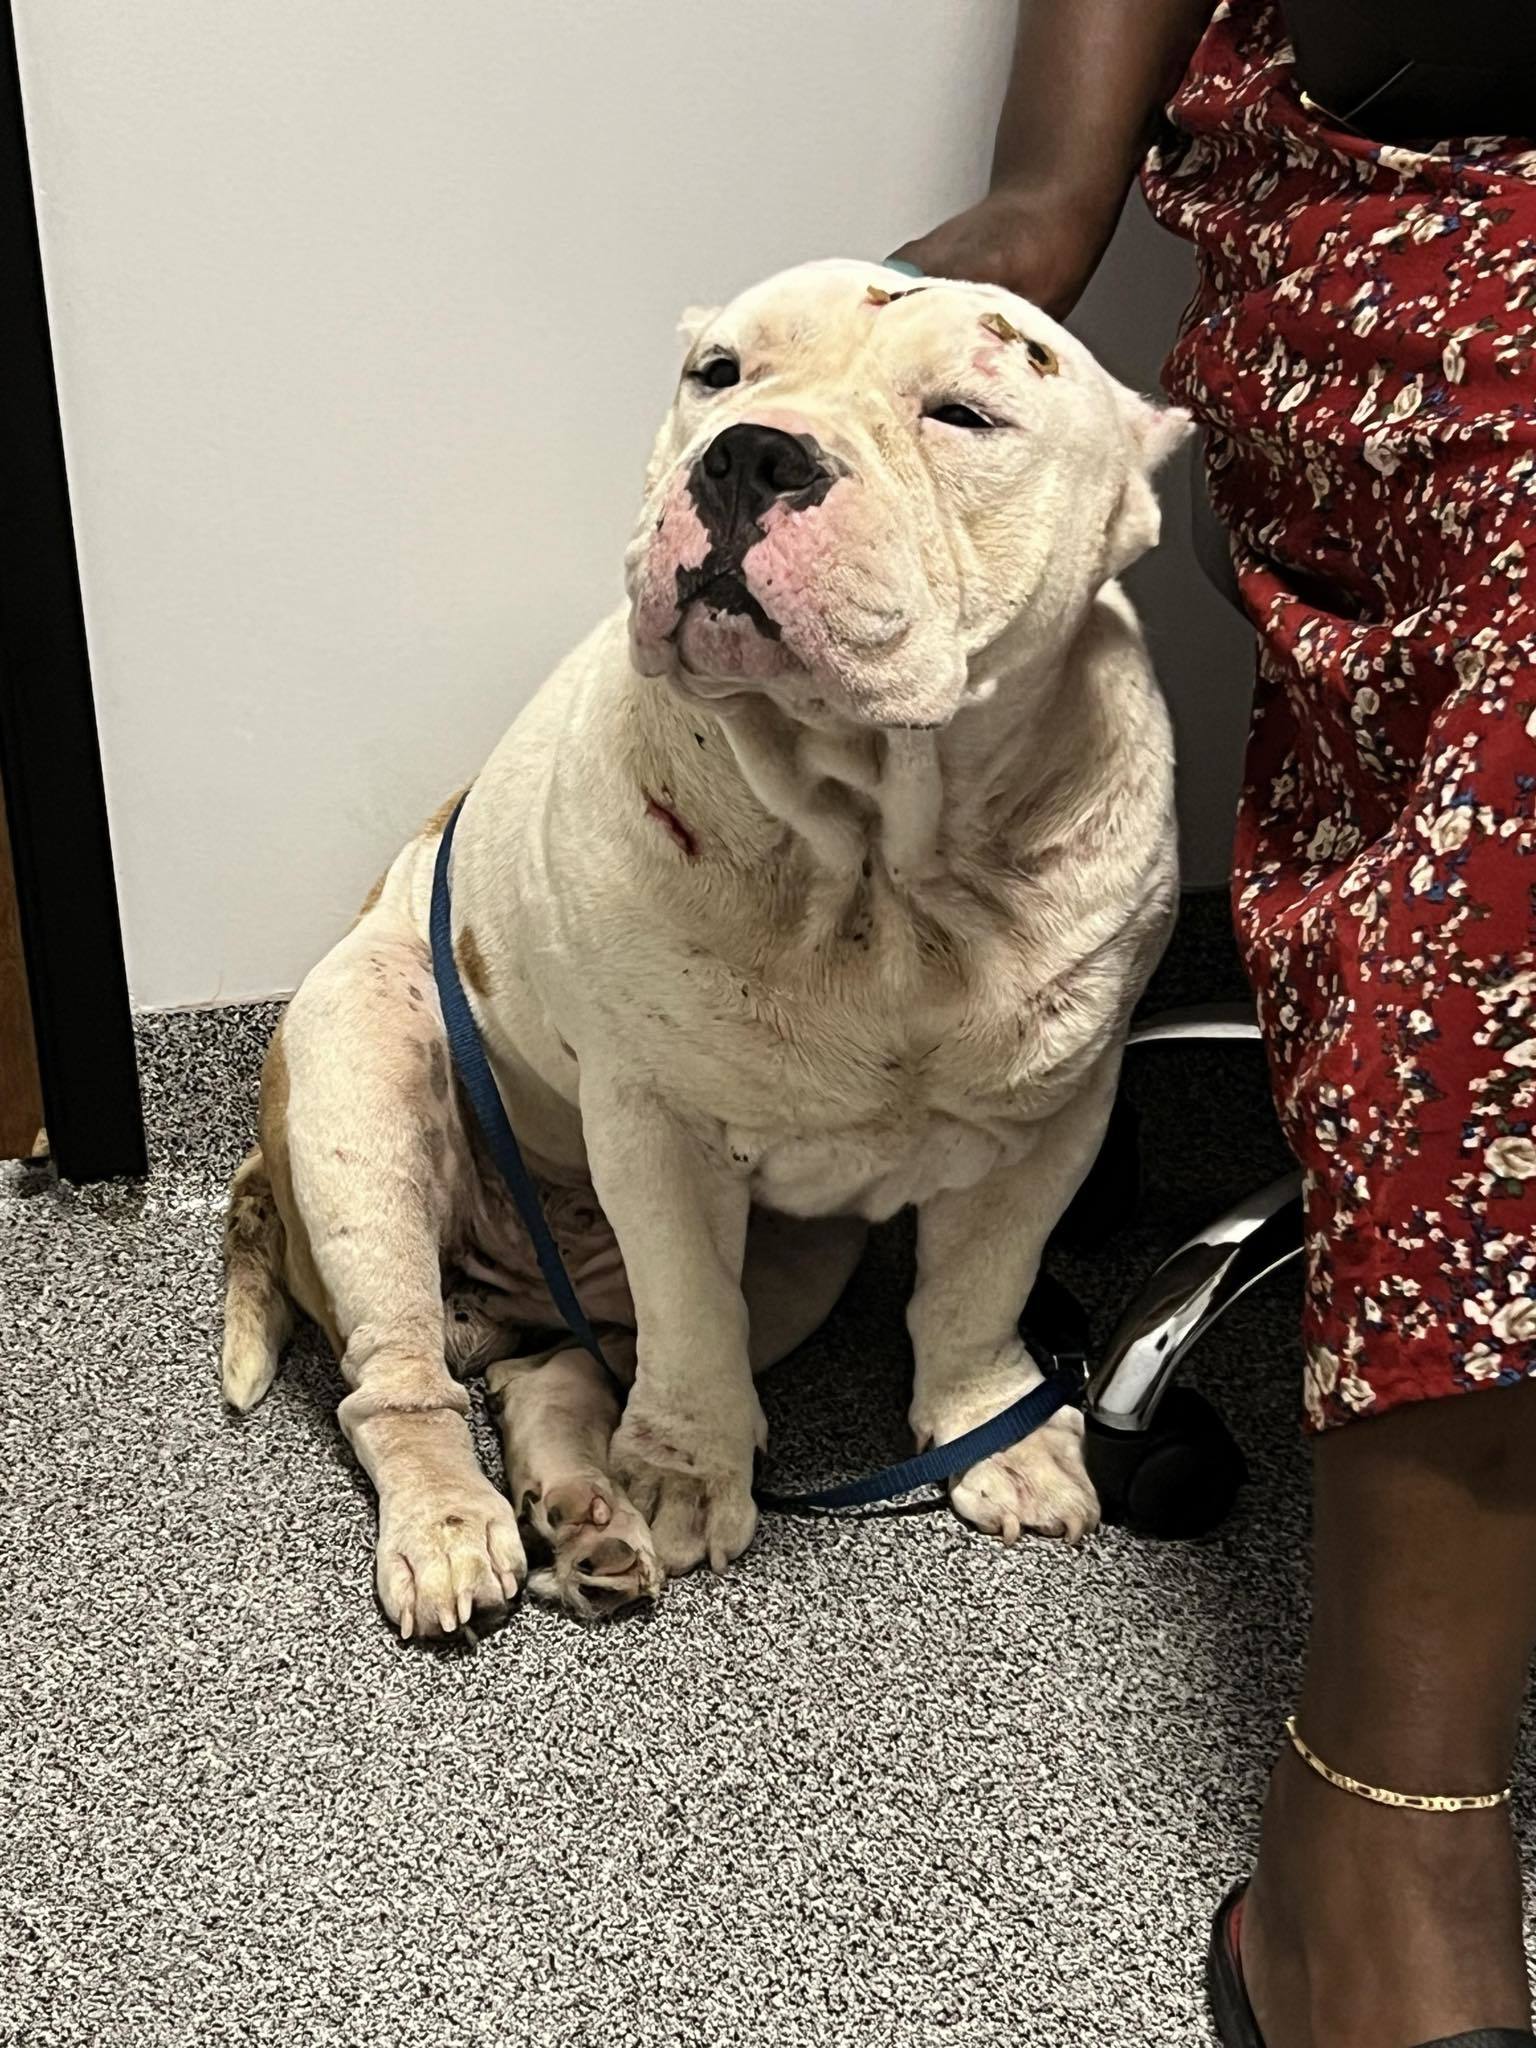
(1186, 1294)
(1205, 1020)
(1162, 1459)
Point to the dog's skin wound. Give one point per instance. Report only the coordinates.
(674, 825)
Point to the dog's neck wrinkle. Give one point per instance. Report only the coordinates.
(1010, 747)
(911, 801)
(822, 812)
(910, 798)
(852, 795)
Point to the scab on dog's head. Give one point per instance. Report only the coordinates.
(861, 492)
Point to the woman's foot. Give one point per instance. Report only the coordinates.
(1367, 1926)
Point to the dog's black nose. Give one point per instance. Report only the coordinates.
(748, 468)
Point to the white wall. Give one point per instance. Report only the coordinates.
(364, 316)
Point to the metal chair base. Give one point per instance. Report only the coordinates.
(1198, 1283)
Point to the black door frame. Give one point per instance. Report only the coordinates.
(49, 754)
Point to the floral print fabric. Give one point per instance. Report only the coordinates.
(1362, 350)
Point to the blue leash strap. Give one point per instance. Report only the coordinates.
(479, 1084)
(1064, 1381)
(1062, 1387)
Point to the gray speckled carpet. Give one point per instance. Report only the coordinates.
(885, 1783)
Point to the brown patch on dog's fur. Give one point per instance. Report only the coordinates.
(472, 962)
(435, 823)
(444, 812)
(300, 1275)
(253, 1229)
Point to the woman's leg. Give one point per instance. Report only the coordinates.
(1369, 1927)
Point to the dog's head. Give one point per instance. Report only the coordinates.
(866, 482)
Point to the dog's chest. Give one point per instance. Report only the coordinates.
(868, 1066)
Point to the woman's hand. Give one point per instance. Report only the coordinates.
(1042, 248)
(1087, 80)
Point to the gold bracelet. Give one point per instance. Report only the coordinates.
(1416, 1802)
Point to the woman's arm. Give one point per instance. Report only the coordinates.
(1088, 79)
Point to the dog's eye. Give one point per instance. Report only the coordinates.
(958, 416)
(718, 374)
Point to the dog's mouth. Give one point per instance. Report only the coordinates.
(723, 589)
(724, 638)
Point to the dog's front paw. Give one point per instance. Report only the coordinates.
(449, 1557)
(1040, 1484)
(698, 1500)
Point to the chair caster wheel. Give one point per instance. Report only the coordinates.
(1178, 1478)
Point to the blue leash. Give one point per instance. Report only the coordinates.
(1065, 1365)
(479, 1084)
(929, 1468)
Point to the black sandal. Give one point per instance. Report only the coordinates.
(1235, 2023)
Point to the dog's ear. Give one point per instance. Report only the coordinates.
(1154, 432)
(692, 322)
(1157, 431)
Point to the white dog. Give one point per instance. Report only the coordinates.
(820, 880)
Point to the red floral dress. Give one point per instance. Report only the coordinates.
(1362, 349)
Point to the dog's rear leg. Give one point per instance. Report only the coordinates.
(795, 1269)
(557, 1414)
(378, 1163)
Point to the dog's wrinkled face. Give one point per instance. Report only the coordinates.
(866, 482)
